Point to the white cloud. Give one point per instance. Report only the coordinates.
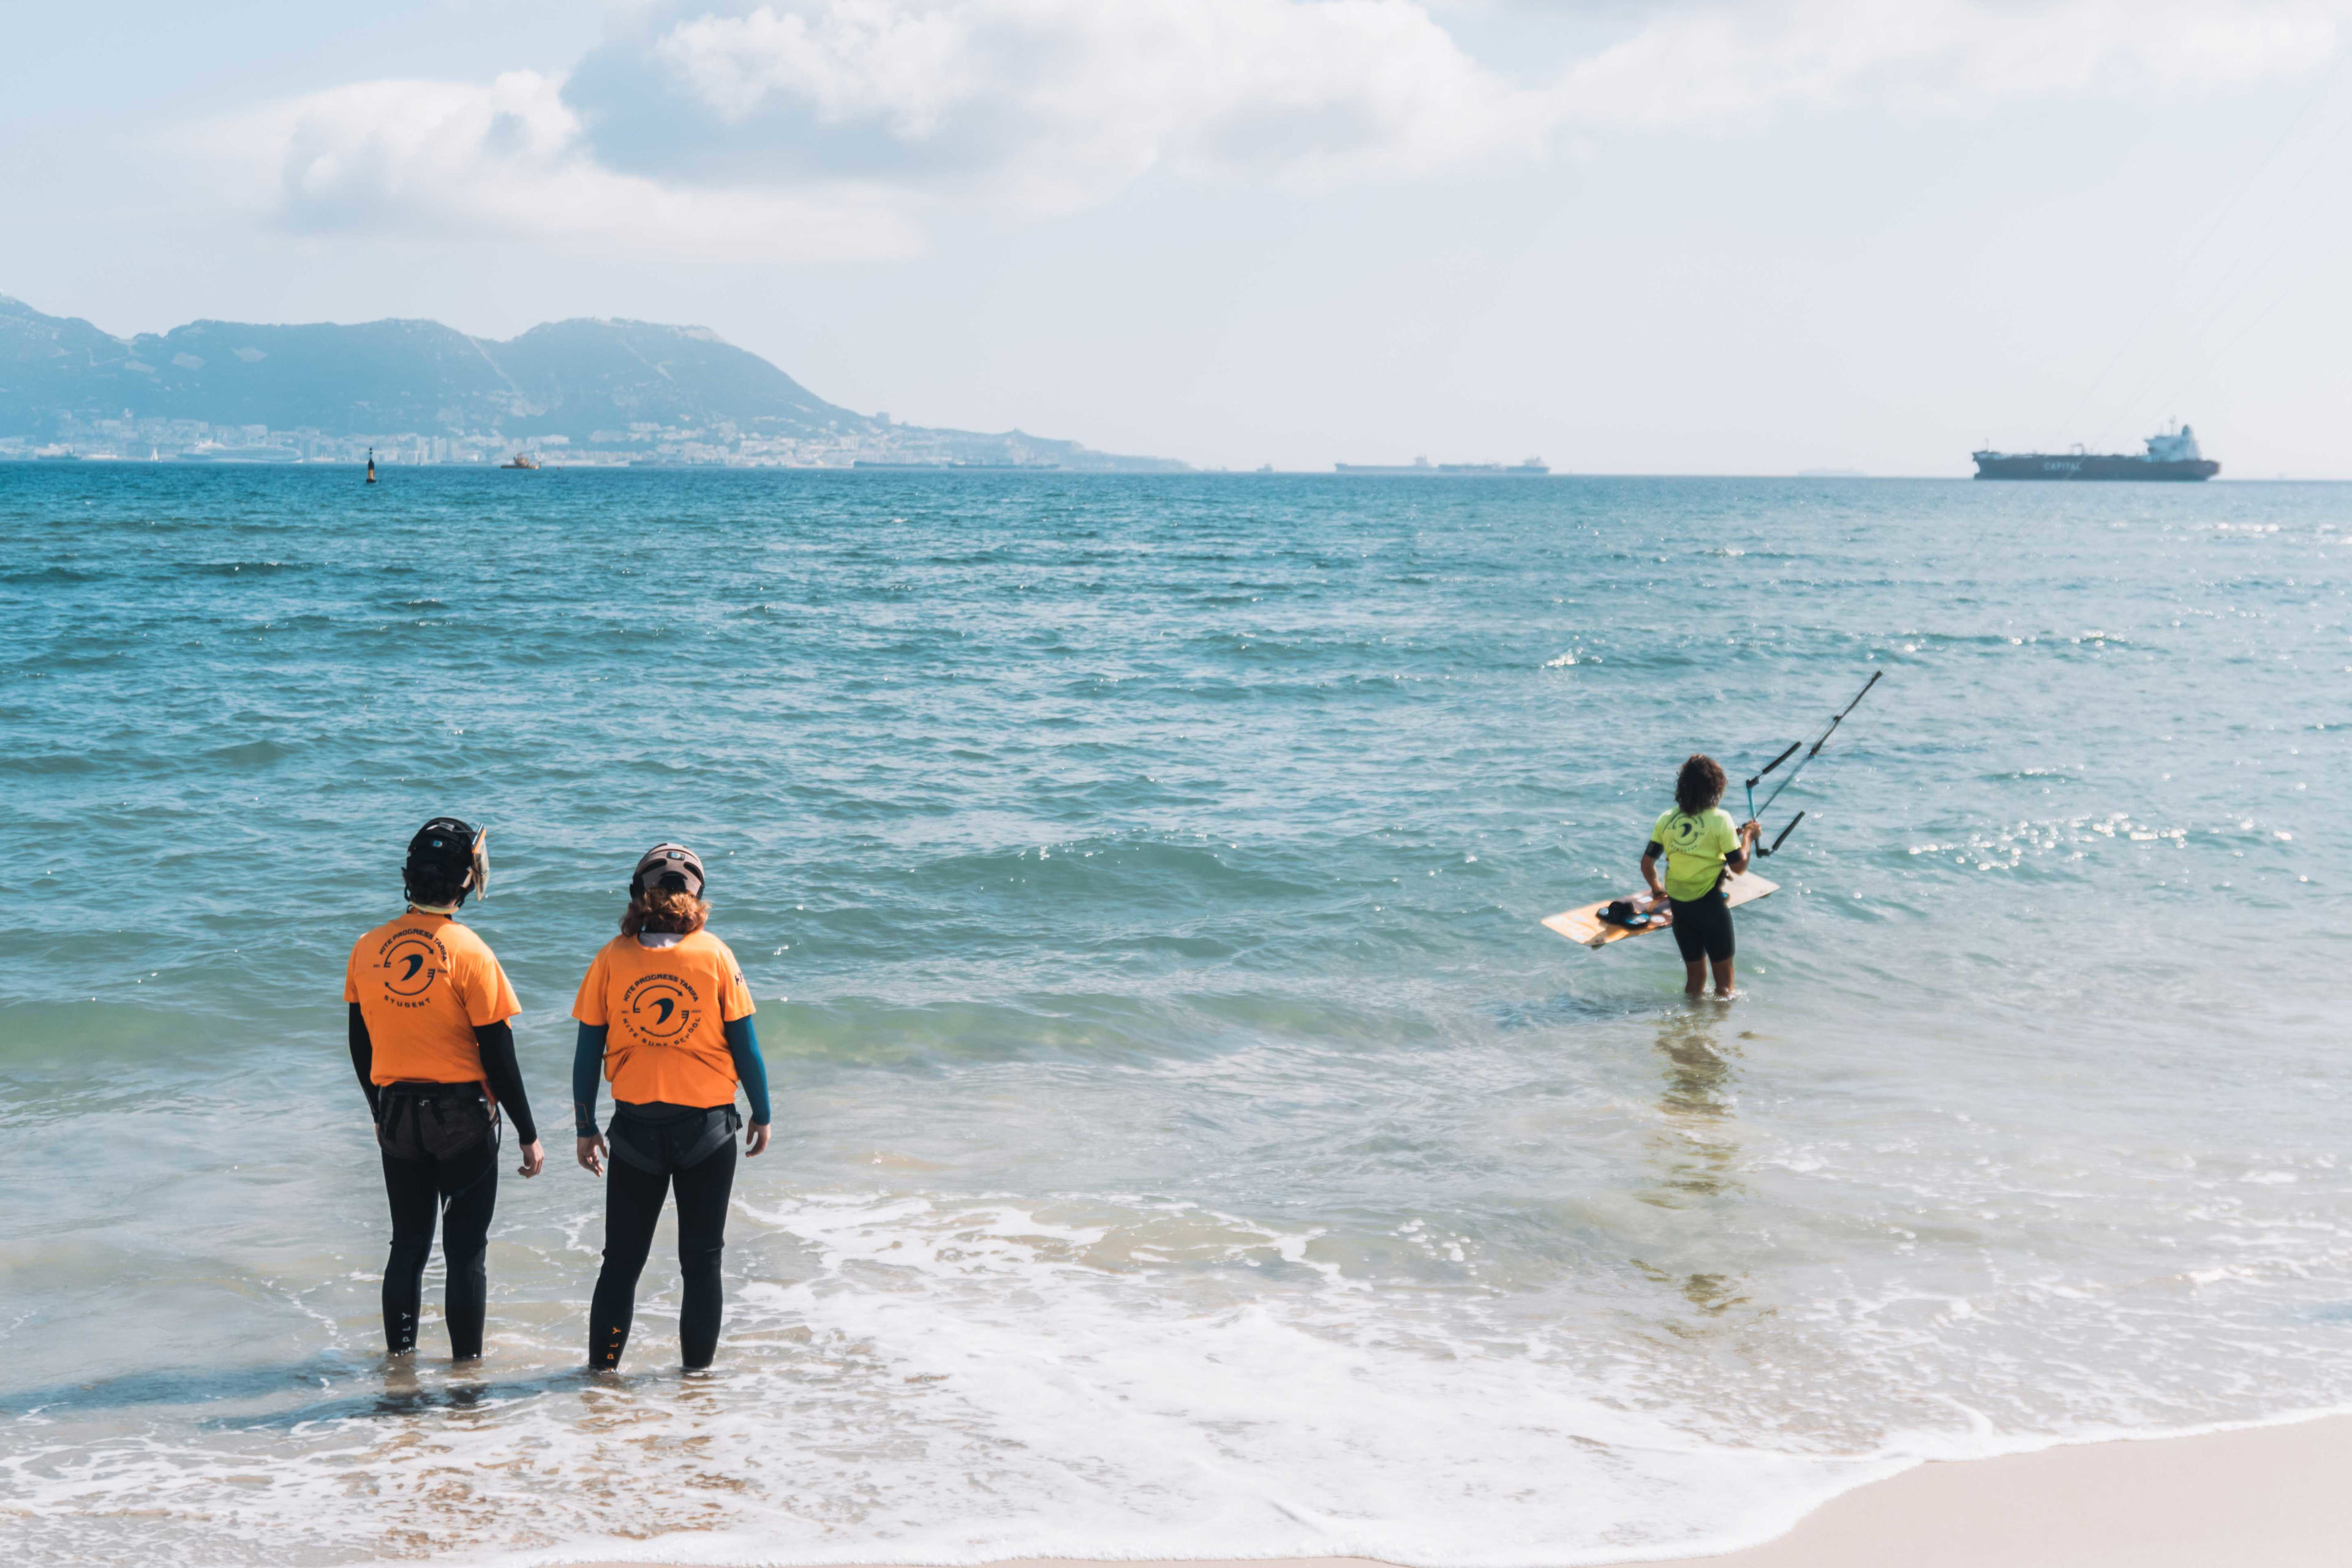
(509, 159)
(1072, 99)
(832, 128)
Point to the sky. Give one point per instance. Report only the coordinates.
(1622, 236)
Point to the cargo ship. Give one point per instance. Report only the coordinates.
(2172, 454)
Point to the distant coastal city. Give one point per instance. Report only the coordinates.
(132, 439)
(723, 443)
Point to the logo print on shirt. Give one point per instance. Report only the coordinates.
(412, 961)
(660, 1009)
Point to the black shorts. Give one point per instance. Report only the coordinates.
(1702, 928)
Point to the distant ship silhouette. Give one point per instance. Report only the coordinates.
(2172, 454)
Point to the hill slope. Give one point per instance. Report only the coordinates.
(588, 385)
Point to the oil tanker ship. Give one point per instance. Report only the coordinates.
(2173, 455)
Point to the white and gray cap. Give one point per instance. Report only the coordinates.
(668, 868)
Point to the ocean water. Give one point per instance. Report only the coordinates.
(1190, 1142)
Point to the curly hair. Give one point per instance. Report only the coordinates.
(1700, 784)
(665, 910)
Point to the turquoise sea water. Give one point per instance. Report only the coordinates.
(1190, 1144)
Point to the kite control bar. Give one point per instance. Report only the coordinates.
(1755, 811)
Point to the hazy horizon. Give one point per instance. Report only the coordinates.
(1626, 237)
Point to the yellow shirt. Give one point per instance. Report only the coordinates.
(423, 983)
(1695, 848)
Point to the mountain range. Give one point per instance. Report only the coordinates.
(586, 385)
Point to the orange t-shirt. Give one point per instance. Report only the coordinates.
(423, 983)
(663, 1009)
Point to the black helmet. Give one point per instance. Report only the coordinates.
(442, 857)
(669, 868)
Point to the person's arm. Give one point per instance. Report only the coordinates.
(587, 1063)
(744, 1044)
(490, 1007)
(1649, 868)
(504, 1075)
(363, 1057)
(1750, 831)
(587, 1067)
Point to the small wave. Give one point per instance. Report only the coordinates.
(241, 568)
(42, 764)
(1160, 873)
(252, 753)
(232, 1385)
(49, 576)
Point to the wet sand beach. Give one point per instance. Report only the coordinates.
(2269, 1495)
(2273, 1496)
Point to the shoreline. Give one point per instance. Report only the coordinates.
(2272, 1495)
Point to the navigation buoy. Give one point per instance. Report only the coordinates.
(371, 478)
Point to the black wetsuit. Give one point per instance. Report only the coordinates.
(440, 1149)
(656, 1146)
(1702, 927)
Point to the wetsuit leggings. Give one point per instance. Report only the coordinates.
(1702, 928)
(632, 1205)
(463, 1190)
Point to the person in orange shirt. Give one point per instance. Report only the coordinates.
(435, 1053)
(665, 1014)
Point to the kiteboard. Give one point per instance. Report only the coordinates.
(1585, 925)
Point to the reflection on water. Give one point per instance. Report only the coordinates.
(1696, 1141)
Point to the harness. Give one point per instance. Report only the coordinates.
(442, 1120)
(678, 1140)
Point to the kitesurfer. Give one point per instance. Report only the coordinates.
(431, 1041)
(1701, 845)
(665, 1014)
